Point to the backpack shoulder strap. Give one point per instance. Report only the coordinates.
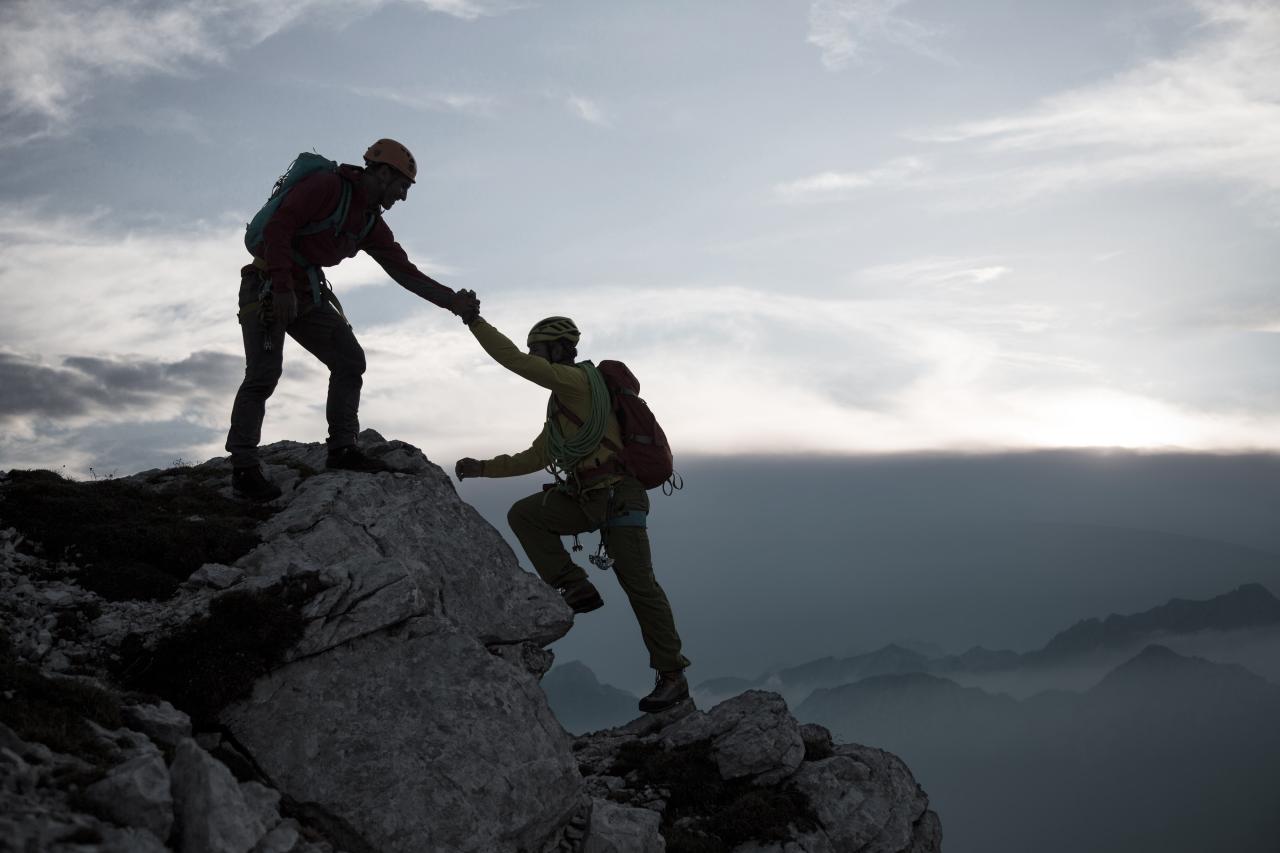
(333, 220)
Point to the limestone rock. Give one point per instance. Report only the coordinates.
(216, 576)
(212, 816)
(817, 741)
(752, 734)
(136, 793)
(389, 547)
(129, 840)
(928, 834)
(161, 722)
(808, 842)
(283, 839)
(857, 799)
(530, 657)
(409, 717)
(426, 740)
(623, 829)
(263, 802)
(867, 800)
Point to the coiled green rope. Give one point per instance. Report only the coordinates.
(566, 453)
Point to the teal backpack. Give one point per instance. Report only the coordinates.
(304, 165)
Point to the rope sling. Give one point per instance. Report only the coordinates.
(566, 453)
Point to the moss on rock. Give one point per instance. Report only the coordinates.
(54, 711)
(130, 541)
(704, 813)
(215, 659)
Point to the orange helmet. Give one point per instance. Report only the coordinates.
(394, 155)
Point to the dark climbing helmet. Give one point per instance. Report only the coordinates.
(554, 329)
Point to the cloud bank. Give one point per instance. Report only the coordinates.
(52, 52)
(1208, 112)
(1212, 110)
(937, 353)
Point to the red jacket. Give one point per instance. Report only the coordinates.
(314, 199)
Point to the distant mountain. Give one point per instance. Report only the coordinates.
(1166, 753)
(1169, 691)
(728, 686)
(1247, 606)
(887, 660)
(978, 659)
(1095, 642)
(918, 707)
(1157, 682)
(797, 682)
(582, 704)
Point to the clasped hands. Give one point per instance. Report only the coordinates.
(466, 305)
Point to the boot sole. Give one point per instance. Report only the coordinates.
(586, 606)
(655, 707)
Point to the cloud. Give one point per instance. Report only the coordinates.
(53, 51)
(587, 110)
(109, 387)
(838, 186)
(1211, 110)
(847, 31)
(469, 10)
(114, 413)
(140, 328)
(957, 273)
(872, 375)
(106, 292)
(458, 102)
(926, 353)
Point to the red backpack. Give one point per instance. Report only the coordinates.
(644, 452)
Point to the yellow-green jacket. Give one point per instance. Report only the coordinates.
(568, 383)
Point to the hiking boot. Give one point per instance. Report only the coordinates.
(582, 596)
(670, 688)
(351, 458)
(250, 483)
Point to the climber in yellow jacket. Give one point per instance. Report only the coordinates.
(597, 493)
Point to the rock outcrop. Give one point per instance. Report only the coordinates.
(389, 700)
(745, 776)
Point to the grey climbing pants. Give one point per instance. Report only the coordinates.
(321, 331)
(539, 521)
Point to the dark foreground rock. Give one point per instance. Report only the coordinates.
(746, 777)
(365, 677)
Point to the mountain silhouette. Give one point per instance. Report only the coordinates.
(1248, 606)
(581, 703)
(1167, 752)
(1092, 642)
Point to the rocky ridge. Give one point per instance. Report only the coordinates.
(401, 712)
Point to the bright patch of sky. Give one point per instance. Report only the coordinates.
(839, 226)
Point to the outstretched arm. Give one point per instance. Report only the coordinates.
(563, 379)
(535, 458)
(381, 245)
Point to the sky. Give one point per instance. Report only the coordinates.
(810, 226)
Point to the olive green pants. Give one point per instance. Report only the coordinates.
(539, 521)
